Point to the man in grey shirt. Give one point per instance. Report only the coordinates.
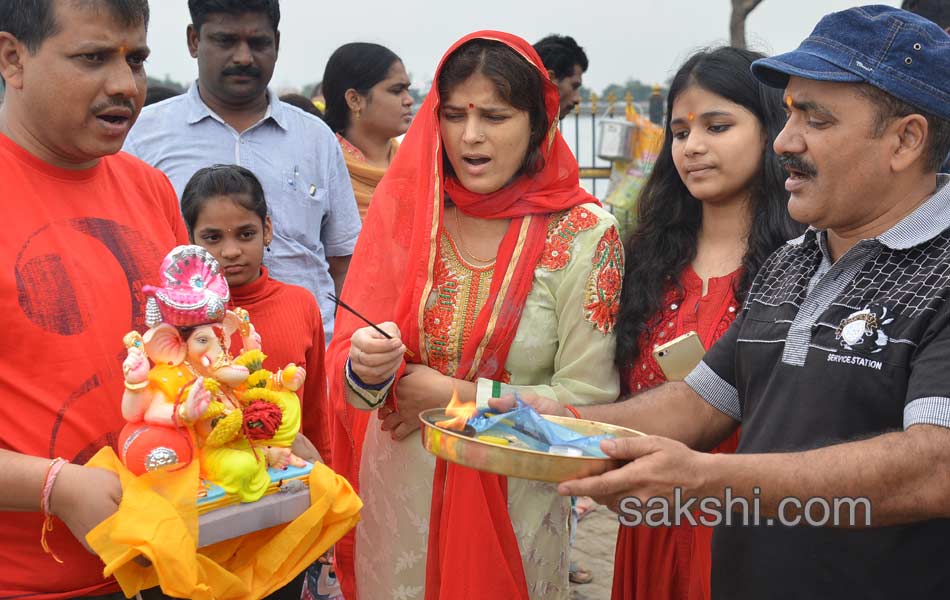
(229, 116)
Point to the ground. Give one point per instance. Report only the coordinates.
(594, 549)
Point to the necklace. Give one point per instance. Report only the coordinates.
(458, 229)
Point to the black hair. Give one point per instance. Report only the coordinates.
(157, 93)
(516, 81)
(560, 53)
(221, 180)
(887, 108)
(669, 217)
(303, 103)
(200, 9)
(937, 11)
(33, 21)
(359, 66)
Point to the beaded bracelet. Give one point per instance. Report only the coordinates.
(574, 411)
(52, 472)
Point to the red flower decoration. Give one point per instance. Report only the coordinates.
(603, 286)
(556, 254)
(557, 248)
(262, 419)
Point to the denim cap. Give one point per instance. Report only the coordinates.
(898, 52)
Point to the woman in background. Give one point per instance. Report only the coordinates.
(368, 106)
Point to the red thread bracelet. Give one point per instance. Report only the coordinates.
(574, 411)
(52, 472)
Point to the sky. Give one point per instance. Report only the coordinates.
(639, 39)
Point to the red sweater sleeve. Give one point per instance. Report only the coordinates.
(315, 406)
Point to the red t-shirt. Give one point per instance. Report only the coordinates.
(288, 319)
(76, 249)
(674, 563)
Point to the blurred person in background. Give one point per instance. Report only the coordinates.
(368, 105)
(566, 63)
(303, 103)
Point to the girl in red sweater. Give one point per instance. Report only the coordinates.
(226, 213)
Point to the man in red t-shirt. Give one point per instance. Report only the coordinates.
(83, 229)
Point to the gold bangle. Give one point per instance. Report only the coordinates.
(136, 387)
(182, 415)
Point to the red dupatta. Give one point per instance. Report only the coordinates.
(390, 278)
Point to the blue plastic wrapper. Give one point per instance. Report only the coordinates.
(536, 432)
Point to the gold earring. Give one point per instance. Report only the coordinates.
(356, 114)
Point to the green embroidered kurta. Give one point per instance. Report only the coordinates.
(563, 349)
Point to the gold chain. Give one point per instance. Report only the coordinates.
(458, 228)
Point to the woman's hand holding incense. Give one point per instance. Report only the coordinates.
(421, 388)
(373, 358)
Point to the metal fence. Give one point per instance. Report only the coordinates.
(580, 130)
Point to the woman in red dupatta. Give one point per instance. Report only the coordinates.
(497, 273)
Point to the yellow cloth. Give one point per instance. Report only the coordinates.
(157, 519)
(237, 469)
(289, 405)
(363, 176)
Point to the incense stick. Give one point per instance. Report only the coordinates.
(344, 305)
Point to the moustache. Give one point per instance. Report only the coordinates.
(249, 71)
(112, 102)
(796, 163)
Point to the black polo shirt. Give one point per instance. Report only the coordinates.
(827, 353)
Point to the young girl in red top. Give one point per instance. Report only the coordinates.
(713, 209)
(226, 213)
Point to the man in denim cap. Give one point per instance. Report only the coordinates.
(838, 367)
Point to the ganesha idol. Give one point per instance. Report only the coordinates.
(197, 401)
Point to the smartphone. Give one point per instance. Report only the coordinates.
(679, 356)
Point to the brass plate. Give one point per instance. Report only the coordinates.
(518, 462)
